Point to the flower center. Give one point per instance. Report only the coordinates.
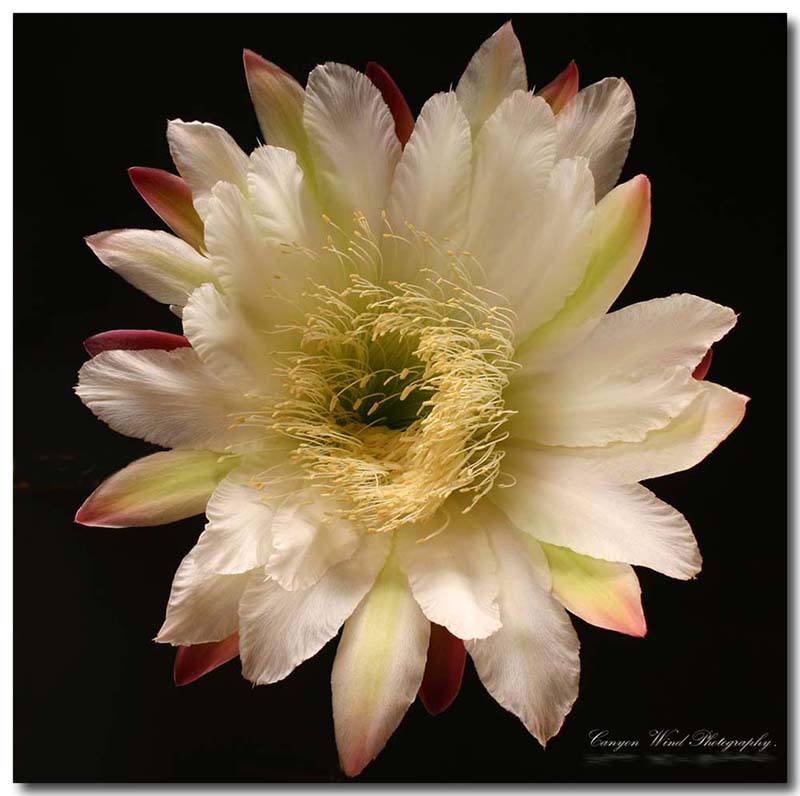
(395, 397)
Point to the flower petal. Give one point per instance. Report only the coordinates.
(202, 607)
(453, 576)
(171, 200)
(157, 263)
(378, 669)
(432, 181)
(602, 593)
(598, 124)
(531, 665)
(205, 155)
(621, 225)
(165, 397)
(353, 142)
(394, 99)
(192, 662)
(495, 71)
(444, 670)
(307, 541)
(683, 443)
(703, 366)
(279, 629)
(561, 90)
(133, 340)
(560, 501)
(514, 155)
(155, 490)
(278, 101)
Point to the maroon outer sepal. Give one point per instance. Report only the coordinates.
(444, 670)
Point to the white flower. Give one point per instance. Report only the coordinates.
(400, 399)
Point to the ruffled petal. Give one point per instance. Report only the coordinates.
(598, 124)
(495, 71)
(531, 665)
(157, 263)
(171, 200)
(378, 669)
(168, 398)
(279, 629)
(602, 593)
(205, 155)
(155, 490)
(561, 502)
(197, 660)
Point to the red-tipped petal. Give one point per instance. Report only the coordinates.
(393, 97)
(170, 198)
(191, 663)
(444, 670)
(701, 371)
(562, 89)
(133, 340)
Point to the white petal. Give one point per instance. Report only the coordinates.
(681, 444)
(559, 501)
(598, 124)
(378, 669)
(157, 263)
(632, 375)
(156, 489)
(203, 606)
(514, 154)
(431, 183)
(496, 70)
(353, 141)
(282, 203)
(230, 344)
(168, 398)
(453, 576)
(308, 541)
(205, 155)
(237, 537)
(531, 665)
(279, 629)
(557, 249)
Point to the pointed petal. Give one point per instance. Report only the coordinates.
(205, 155)
(353, 142)
(279, 629)
(155, 490)
(133, 340)
(496, 70)
(278, 101)
(171, 200)
(598, 124)
(560, 501)
(191, 663)
(168, 398)
(157, 263)
(394, 99)
(202, 607)
(378, 669)
(560, 91)
(444, 670)
(602, 593)
(530, 666)
(453, 576)
(621, 226)
(703, 366)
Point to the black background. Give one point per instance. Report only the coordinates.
(94, 699)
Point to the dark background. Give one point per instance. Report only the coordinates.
(94, 696)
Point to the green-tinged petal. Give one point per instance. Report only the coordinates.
(603, 593)
(278, 101)
(157, 263)
(621, 226)
(378, 669)
(496, 70)
(157, 489)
